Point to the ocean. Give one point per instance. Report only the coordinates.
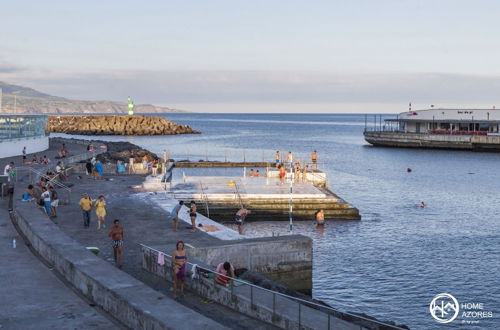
(393, 262)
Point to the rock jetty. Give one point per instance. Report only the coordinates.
(115, 125)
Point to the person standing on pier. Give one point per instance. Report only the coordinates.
(192, 215)
(239, 218)
(179, 259)
(131, 165)
(289, 158)
(116, 234)
(86, 206)
(278, 158)
(314, 159)
(174, 214)
(304, 173)
(282, 173)
(24, 155)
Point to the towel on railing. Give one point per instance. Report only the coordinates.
(193, 272)
(161, 258)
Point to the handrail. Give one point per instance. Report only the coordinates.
(237, 193)
(298, 300)
(205, 199)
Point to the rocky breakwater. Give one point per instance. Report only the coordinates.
(115, 125)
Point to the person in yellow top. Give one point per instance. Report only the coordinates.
(100, 211)
(86, 206)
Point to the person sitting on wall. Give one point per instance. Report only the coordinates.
(226, 272)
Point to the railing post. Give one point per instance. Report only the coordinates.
(300, 319)
(274, 303)
(251, 295)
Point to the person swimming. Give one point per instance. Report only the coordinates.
(320, 217)
(422, 204)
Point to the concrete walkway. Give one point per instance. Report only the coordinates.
(144, 222)
(33, 297)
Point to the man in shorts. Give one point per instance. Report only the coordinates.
(239, 218)
(174, 214)
(116, 234)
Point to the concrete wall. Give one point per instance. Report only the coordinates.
(15, 147)
(127, 299)
(285, 259)
(276, 309)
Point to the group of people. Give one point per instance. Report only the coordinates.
(94, 168)
(35, 159)
(49, 198)
(299, 172)
(253, 173)
(149, 165)
(116, 231)
(174, 215)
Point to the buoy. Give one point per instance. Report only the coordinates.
(408, 170)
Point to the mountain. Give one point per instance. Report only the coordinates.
(20, 99)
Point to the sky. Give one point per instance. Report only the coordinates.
(257, 56)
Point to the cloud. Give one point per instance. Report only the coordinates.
(173, 87)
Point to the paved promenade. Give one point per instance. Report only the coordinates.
(144, 222)
(32, 296)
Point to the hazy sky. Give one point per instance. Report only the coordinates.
(334, 56)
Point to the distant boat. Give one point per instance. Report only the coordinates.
(466, 129)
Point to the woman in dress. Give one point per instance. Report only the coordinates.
(192, 215)
(100, 211)
(179, 259)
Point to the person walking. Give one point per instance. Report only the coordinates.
(9, 171)
(174, 214)
(239, 218)
(179, 259)
(46, 200)
(192, 215)
(116, 234)
(100, 212)
(86, 206)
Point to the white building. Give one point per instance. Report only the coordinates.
(19, 131)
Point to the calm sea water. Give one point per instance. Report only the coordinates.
(399, 256)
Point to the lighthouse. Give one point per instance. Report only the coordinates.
(130, 106)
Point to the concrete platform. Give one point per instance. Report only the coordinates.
(267, 197)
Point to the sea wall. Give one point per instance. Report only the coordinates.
(115, 125)
(285, 259)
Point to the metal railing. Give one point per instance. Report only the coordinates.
(38, 174)
(237, 195)
(325, 313)
(204, 198)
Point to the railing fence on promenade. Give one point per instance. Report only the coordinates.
(271, 306)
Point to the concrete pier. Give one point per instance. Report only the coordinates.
(220, 198)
